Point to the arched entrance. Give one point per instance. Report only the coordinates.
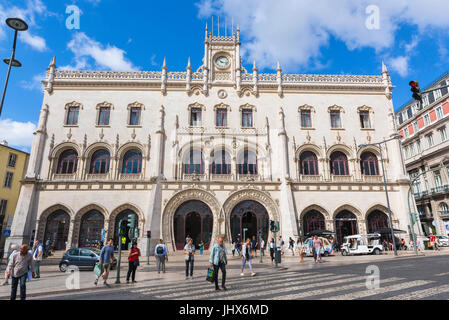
(57, 229)
(193, 218)
(123, 215)
(377, 220)
(345, 225)
(92, 223)
(247, 219)
(313, 220)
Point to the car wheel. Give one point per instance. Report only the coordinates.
(326, 253)
(376, 252)
(63, 267)
(344, 252)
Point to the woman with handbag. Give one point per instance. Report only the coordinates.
(133, 260)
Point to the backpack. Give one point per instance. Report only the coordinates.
(160, 250)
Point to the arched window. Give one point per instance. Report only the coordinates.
(99, 162)
(308, 163)
(193, 162)
(247, 162)
(444, 208)
(339, 164)
(67, 162)
(221, 162)
(369, 164)
(132, 162)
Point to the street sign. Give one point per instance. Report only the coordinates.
(6, 233)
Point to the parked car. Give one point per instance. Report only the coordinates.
(443, 241)
(327, 250)
(83, 258)
(362, 244)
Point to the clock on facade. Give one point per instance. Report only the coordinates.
(222, 61)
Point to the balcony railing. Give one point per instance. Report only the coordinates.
(221, 177)
(194, 176)
(440, 189)
(444, 212)
(372, 179)
(97, 176)
(248, 177)
(421, 194)
(336, 178)
(310, 178)
(130, 176)
(64, 176)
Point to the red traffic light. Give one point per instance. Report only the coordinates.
(149, 234)
(413, 84)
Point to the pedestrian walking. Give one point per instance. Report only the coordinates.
(246, 257)
(47, 248)
(218, 261)
(133, 262)
(160, 251)
(17, 269)
(254, 245)
(106, 256)
(291, 245)
(187, 238)
(11, 252)
(300, 249)
(189, 251)
(37, 257)
(317, 245)
(262, 246)
(281, 245)
(233, 247)
(272, 250)
(238, 245)
(201, 247)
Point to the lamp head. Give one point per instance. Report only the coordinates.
(17, 24)
(15, 63)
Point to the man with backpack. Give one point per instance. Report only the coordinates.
(160, 251)
(218, 261)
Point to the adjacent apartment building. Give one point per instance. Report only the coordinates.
(426, 153)
(13, 164)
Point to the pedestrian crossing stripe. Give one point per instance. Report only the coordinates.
(381, 290)
(189, 285)
(421, 294)
(251, 290)
(327, 290)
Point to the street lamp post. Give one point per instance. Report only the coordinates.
(18, 25)
(379, 145)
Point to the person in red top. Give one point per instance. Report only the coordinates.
(133, 259)
(432, 241)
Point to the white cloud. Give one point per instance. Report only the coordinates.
(32, 9)
(294, 32)
(400, 65)
(109, 57)
(36, 42)
(35, 83)
(18, 134)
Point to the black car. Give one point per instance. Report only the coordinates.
(83, 258)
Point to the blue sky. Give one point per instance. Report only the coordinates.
(328, 37)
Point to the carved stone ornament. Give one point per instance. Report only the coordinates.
(222, 94)
(69, 134)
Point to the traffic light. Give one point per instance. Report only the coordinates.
(271, 225)
(276, 226)
(121, 231)
(416, 90)
(136, 233)
(148, 234)
(414, 218)
(131, 221)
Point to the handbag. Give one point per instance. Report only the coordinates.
(136, 263)
(97, 269)
(30, 276)
(210, 275)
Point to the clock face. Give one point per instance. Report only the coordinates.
(222, 62)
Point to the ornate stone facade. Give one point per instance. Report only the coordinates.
(219, 135)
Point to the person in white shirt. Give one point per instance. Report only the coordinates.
(37, 257)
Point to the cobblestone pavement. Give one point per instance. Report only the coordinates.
(406, 277)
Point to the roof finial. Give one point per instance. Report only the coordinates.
(254, 65)
(206, 32)
(238, 33)
(164, 64)
(188, 64)
(278, 67)
(384, 67)
(53, 62)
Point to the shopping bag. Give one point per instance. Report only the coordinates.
(97, 269)
(30, 276)
(210, 275)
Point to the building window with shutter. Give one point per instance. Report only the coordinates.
(364, 120)
(195, 117)
(8, 179)
(335, 119)
(72, 116)
(12, 160)
(103, 116)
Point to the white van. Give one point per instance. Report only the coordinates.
(362, 244)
